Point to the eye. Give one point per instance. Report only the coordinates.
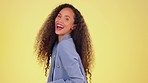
(59, 16)
(67, 19)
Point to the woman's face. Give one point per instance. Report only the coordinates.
(64, 22)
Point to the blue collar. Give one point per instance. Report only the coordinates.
(66, 37)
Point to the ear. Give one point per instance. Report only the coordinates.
(74, 26)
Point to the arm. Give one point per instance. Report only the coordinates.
(69, 59)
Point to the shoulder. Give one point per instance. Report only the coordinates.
(66, 49)
(67, 43)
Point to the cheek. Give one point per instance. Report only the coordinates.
(69, 24)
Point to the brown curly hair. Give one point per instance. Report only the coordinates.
(46, 39)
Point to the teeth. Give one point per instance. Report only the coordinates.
(59, 25)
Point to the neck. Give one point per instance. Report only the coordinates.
(60, 37)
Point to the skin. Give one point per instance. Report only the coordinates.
(64, 23)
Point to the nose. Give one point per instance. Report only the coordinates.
(60, 20)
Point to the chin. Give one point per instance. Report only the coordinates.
(58, 33)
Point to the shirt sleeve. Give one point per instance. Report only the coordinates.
(70, 60)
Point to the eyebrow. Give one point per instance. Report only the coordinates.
(65, 15)
(60, 13)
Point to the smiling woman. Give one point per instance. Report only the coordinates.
(65, 39)
(64, 22)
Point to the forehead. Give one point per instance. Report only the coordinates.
(67, 11)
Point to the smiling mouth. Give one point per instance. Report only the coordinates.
(59, 27)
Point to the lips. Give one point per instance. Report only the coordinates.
(59, 27)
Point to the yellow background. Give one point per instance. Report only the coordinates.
(119, 30)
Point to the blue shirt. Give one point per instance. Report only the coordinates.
(66, 65)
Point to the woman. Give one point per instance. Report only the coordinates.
(64, 38)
